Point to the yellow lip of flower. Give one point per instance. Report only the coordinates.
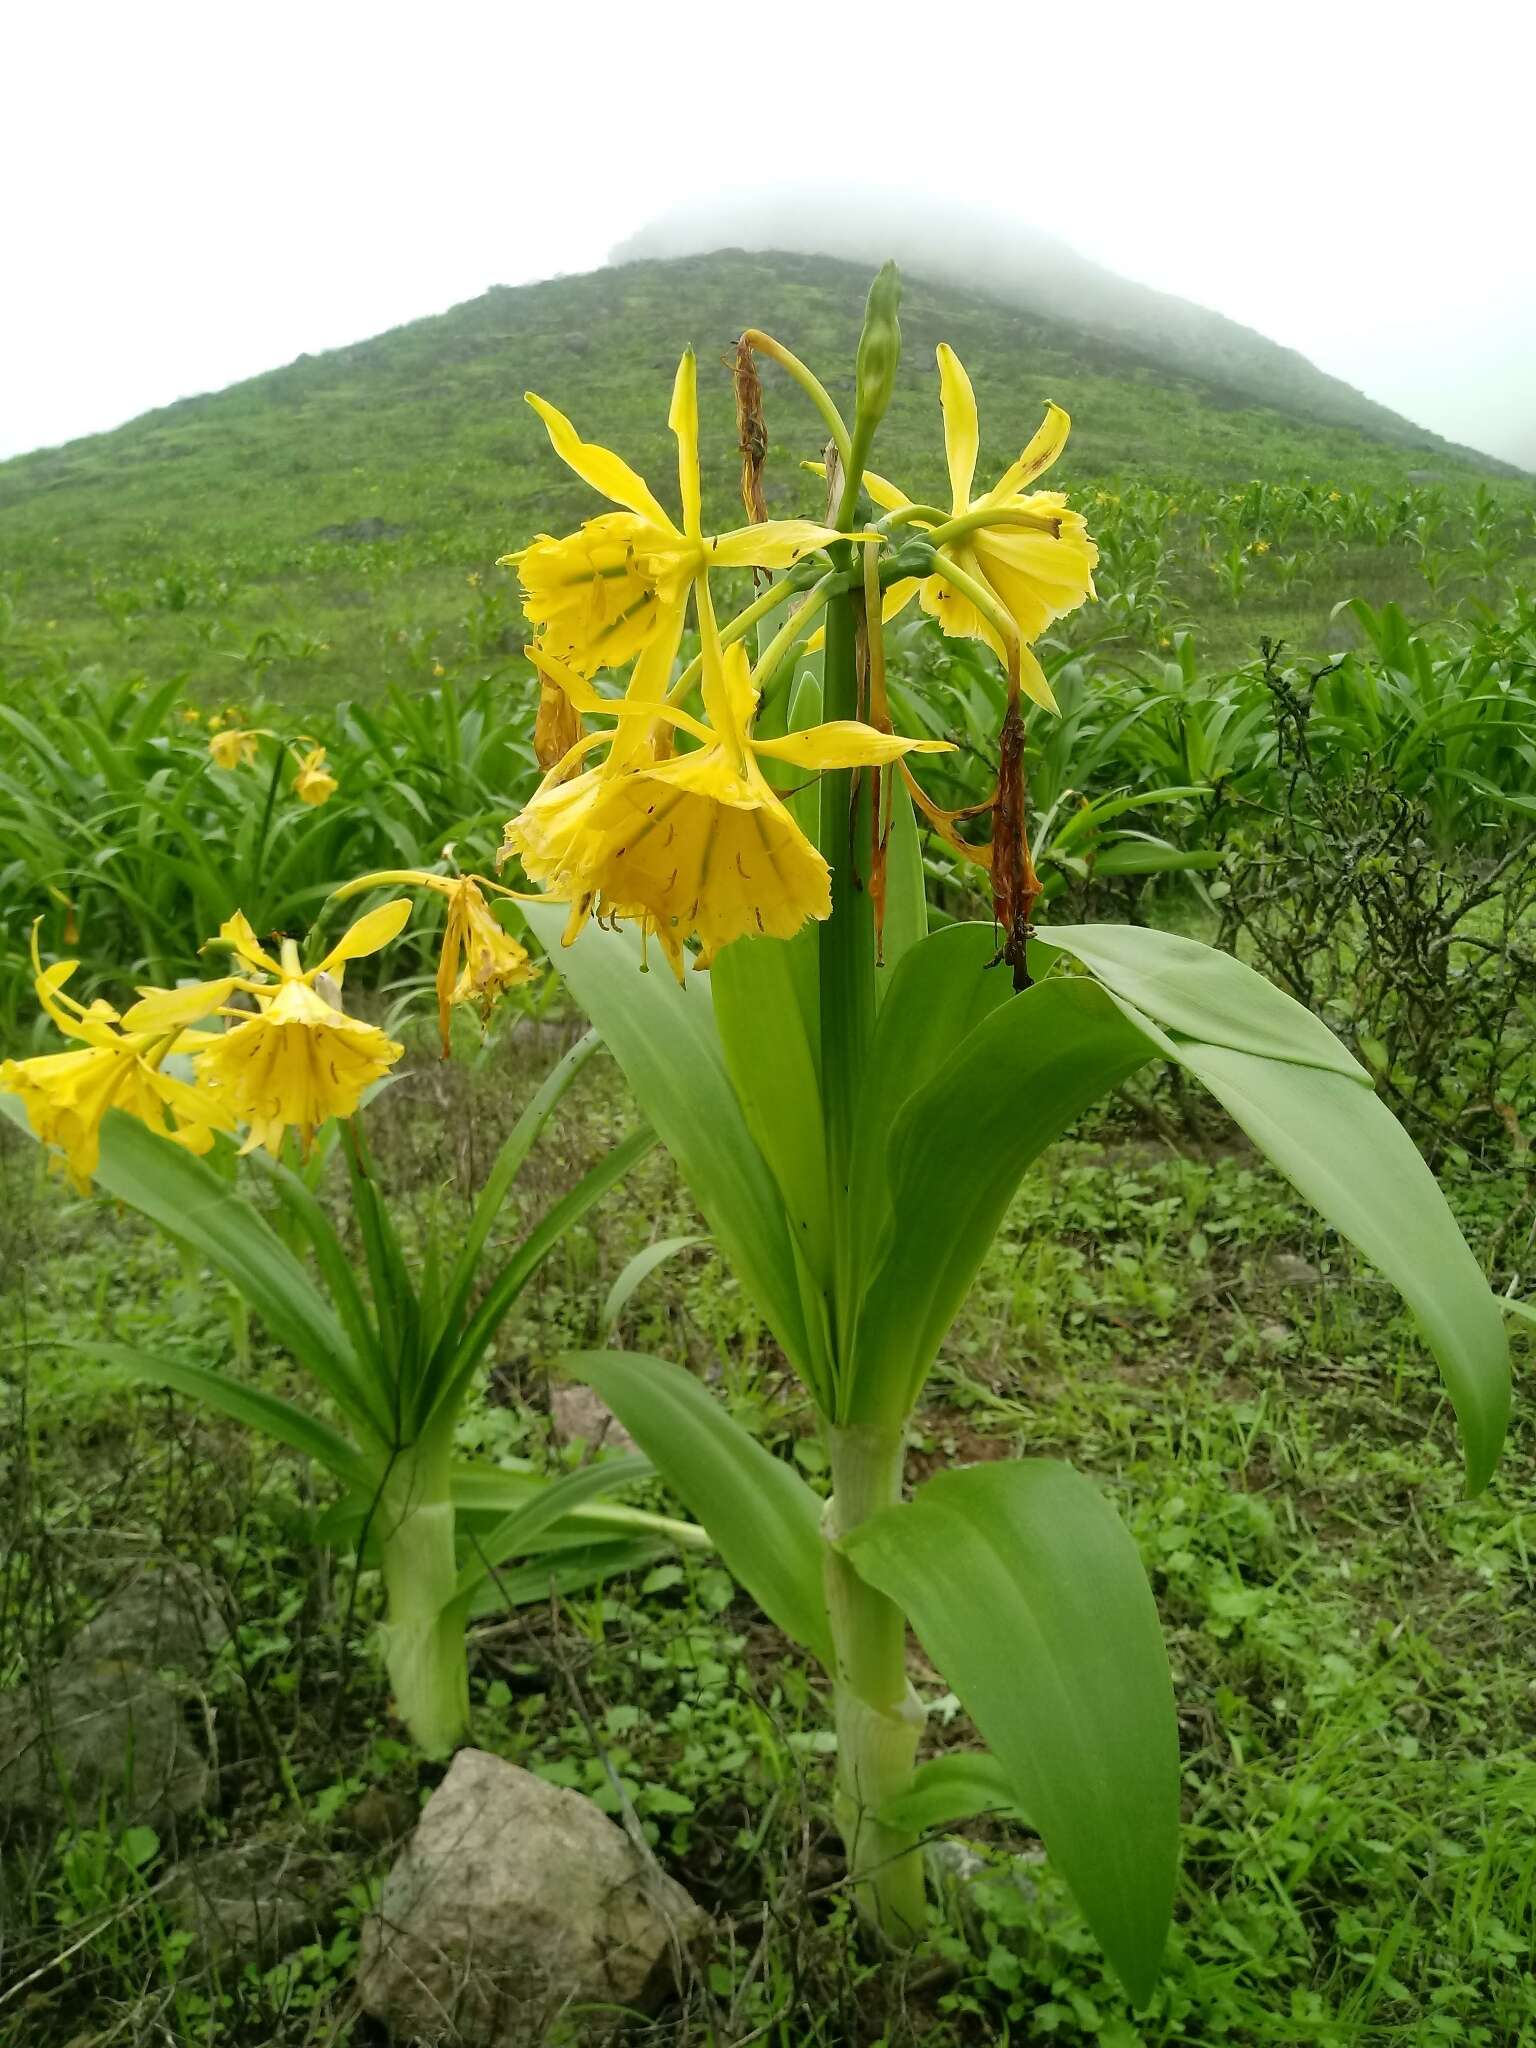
(314, 784)
(1035, 557)
(614, 588)
(300, 1059)
(479, 960)
(697, 844)
(67, 1094)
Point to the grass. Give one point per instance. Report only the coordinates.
(1356, 1712)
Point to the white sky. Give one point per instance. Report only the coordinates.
(193, 194)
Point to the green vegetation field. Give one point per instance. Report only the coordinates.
(1300, 720)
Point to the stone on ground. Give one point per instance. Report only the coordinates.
(514, 1907)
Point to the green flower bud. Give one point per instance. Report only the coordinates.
(879, 355)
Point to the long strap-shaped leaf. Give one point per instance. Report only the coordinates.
(1286, 1080)
(1028, 1594)
(543, 1509)
(451, 1371)
(508, 1164)
(664, 1038)
(765, 1520)
(253, 1406)
(955, 1155)
(189, 1200)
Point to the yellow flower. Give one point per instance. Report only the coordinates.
(1031, 551)
(438, 670)
(66, 1094)
(697, 844)
(314, 784)
(1334, 497)
(233, 749)
(619, 586)
(190, 715)
(479, 960)
(300, 1059)
(215, 720)
(1261, 547)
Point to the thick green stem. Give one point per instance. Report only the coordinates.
(847, 942)
(879, 1719)
(424, 1623)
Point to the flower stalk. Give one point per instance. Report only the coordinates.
(878, 1716)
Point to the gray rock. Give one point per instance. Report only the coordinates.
(515, 1904)
(1287, 1269)
(256, 1901)
(165, 1617)
(577, 1413)
(99, 1732)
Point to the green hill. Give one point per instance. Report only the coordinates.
(333, 524)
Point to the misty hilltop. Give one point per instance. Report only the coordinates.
(1023, 267)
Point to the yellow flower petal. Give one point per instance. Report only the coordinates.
(600, 467)
(777, 544)
(844, 743)
(375, 928)
(236, 933)
(683, 419)
(962, 428)
(173, 1009)
(1047, 443)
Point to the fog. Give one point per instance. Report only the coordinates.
(195, 195)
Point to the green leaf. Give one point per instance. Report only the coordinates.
(253, 1406)
(1341, 1147)
(934, 1000)
(1028, 1594)
(508, 1164)
(665, 1039)
(952, 1787)
(562, 1572)
(450, 1374)
(543, 1509)
(1285, 1079)
(189, 1200)
(1204, 994)
(772, 1054)
(639, 1269)
(765, 1520)
(955, 1154)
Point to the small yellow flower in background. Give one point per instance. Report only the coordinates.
(1261, 547)
(215, 720)
(190, 715)
(67, 1094)
(231, 748)
(619, 586)
(438, 669)
(473, 579)
(1334, 497)
(479, 960)
(1035, 557)
(314, 784)
(697, 844)
(300, 1059)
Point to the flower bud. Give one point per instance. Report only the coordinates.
(879, 355)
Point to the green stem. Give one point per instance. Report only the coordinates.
(879, 1718)
(810, 384)
(424, 1622)
(847, 953)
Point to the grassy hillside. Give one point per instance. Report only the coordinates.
(333, 525)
